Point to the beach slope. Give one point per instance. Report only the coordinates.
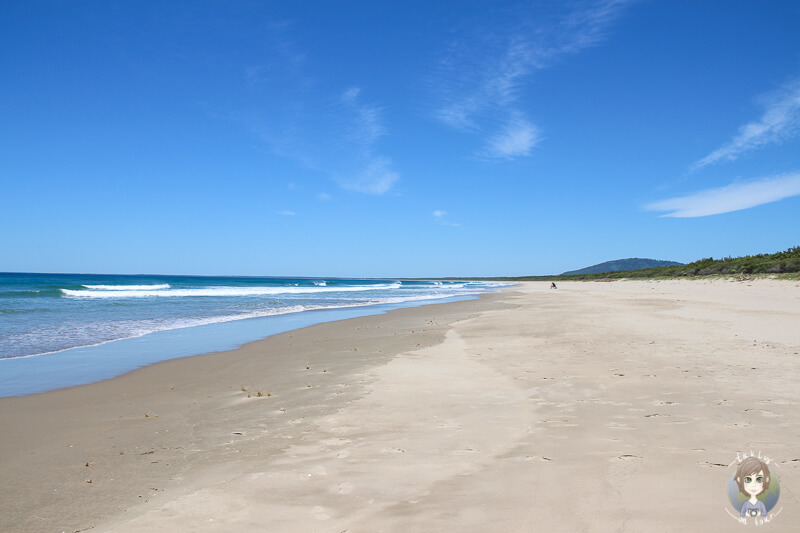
(595, 407)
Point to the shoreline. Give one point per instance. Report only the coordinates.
(56, 433)
(434, 417)
(84, 365)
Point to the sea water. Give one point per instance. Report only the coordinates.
(59, 330)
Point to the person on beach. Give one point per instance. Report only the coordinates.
(752, 477)
(553, 286)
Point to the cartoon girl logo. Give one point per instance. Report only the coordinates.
(752, 490)
(752, 478)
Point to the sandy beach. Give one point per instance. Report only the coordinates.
(616, 406)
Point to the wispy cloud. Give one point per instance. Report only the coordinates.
(287, 213)
(373, 174)
(780, 121)
(734, 197)
(334, 133)
(589, 26)
(374, 177)
(441, 217)
(481, 77)
(516, 139)
(366, 127)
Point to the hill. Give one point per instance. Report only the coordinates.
(783, 264)
(619, 265)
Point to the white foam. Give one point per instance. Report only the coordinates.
(382, 293)
(142, 328)
(221, 291)
(127, 287)
(147, 327)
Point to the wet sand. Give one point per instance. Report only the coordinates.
(595, 407)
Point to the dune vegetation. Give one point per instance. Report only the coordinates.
(780, 264)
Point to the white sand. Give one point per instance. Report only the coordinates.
(595, 407)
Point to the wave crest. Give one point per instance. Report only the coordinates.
(127, 287)
(219, 291)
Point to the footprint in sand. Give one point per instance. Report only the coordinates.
(707, 464)
(344, 488)
(625, 457)
(392, 451)
(539, 458)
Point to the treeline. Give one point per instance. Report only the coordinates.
(786, 262)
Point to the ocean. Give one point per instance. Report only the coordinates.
(59, 330)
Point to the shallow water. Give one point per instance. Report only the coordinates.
(64, 330)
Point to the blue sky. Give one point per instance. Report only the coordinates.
(387, 139)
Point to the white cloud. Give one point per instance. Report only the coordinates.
(351, 94)
(517, 139)
(734, 197)
(365, 127)
(503, 82)
(781, 120)
(481, 76)
(441, 218)
(287, 213)
(457, 115)
(335, 134)
(588, 27)
(376, 177)
(325, 197)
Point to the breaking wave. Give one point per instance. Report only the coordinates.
(158, 291)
